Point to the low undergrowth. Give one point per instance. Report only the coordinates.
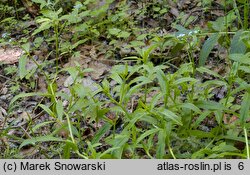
(183, 93)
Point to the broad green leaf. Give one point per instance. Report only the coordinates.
(26, 47)
(84, 13)
(44, 26)
(114, 31)
(185, 68)
(245, 69)
(81, 28)
(22, 66)
(221, 24)
(237, 45)
(207, 48)
(42, 3)
(219, 116)
(59, 110)
(51, 14)
(38, 41)
(162, 79)
(223, 147)
(123, 34)
(115, 76)
(244, 111)
(34, 140)
(66, 150)
(72, 18)
(241, 58)
(73, 71)
(181, 30)
(142, 36)
(80, 90)
(137, 43)
(105, 86)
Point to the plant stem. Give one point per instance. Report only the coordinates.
(171, 151)
(246, 14)
(247, 145)
(57, 44)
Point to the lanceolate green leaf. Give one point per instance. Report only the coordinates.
(34, 140)
(207, 47)
(161, 145)
(119, 141)
(47, 109)
(101, 132)
(210, 105)
(184, 80)
(244, 111)
(191, 107)
(147, 133)
(172, 116)
(41, 125)
(22, 95)
(200, 119)
(59, 110)
(22, 66)
(206, 70)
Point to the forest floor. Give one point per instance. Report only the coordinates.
(125, 79)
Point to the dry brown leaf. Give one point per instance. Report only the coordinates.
(42, 85)
(29, 151)
(89, 83)
(229, 119)
(99, 69)
(82, 60)
(25, 116)
(92, 53)
(10, 55)
(3, 114)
